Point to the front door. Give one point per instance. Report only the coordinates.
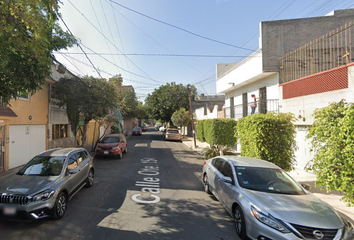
(2, 147)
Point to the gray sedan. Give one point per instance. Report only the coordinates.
(172, 134)
(267, 203)
(44, 185)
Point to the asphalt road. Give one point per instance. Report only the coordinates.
(154, 192)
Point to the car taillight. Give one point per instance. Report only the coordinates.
(204, 163)
(178, 135)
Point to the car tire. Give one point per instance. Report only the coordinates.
(240, 223)
(206, 184)
(126, 149)
(90, 179)
(60, 206)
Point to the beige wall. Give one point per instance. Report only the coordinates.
(36, 107)
(29, 112)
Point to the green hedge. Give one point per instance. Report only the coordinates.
(269, 137)
(217, 132)
(200, 130)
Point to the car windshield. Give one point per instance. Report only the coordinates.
(267, 180)
(136, 129)
(110, 140)
(43, 166)
(172, 131)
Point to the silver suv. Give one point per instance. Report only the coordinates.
(44, 185)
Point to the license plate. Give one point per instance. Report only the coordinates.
(105, 152)
(9, 211)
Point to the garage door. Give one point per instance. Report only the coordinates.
(26, 141)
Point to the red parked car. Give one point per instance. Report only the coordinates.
(137, 131)
(112, 145)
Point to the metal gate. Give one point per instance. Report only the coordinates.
(2, 147)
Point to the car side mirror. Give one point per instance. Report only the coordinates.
(227, 180)
(306, 186)
(73, 171)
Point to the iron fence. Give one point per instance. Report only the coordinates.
(332, 50)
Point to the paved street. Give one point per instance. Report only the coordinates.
(154, 192)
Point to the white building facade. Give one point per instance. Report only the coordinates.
(259, 74)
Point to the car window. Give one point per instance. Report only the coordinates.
(81, 156)
(227, 171)
(218, 163)
(267, 180)
(110, 140)
(72, 163)
(43, 166)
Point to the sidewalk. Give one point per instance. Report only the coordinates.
(333, 198)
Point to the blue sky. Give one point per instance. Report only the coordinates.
(152, 42)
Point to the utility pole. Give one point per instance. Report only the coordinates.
(191, 113)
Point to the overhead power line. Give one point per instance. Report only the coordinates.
(157, 55)
(179, 28)
(81, 47)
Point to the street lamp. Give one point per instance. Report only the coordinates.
(191, 113)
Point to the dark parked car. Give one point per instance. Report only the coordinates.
(44, 185)
(143, 128)
(267, 203)
(137, 131)
(112, 145)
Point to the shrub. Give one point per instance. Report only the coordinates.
(332, 140)
(200, 130)
(269, 137)
(220, 132)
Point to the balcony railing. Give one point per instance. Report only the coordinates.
(332, 50)
(272, 105)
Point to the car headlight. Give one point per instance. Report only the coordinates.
(43, 196)
(268, 220)
(98, 148)
(114, 148)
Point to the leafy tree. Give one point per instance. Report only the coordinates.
(142, 111)
(332, 139)
(167, 99)
(29, 34)
(127, 102)
(88, 97)
(181, 118)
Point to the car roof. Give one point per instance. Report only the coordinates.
(240, 161)
(113, 135)
(59, 151)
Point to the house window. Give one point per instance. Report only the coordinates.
(232, 109)
(24, 96)
(244, 105)
(59, 131)
(262, 104)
